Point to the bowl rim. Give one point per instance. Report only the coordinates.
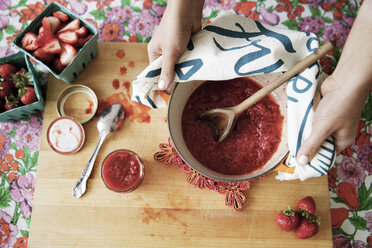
(209, 176)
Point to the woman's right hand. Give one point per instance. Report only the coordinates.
(181, 19)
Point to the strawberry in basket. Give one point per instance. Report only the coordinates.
(58, 40)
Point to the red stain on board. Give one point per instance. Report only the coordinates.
(126, 85)
(150, 214)
(123, 70)
(120, 54)
(131, 63)
(134, 111)
(115, 84)
(89, 110)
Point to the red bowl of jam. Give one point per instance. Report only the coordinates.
(122, 171)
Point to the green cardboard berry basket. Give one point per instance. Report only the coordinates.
(83, 57)
(21, 60)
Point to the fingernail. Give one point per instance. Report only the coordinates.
(161, 85)
(303, 160)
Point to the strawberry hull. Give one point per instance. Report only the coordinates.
(22, 61)
(83, 56)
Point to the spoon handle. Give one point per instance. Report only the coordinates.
(80, 186)
(293, 71)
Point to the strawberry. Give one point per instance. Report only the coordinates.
(307, 204)
(60, 15)
(288, 219)
(73, 25)
(6, 70)
(81, 42)
(22, 79)
(43, 55)
(307, 227)
(51, 23)
(69, 37)
(11, 102)
(28, 42)
(27, 95)
(44, 37)
(41, 29)
(82, 32)
(57, 65)
(6, 88)
(68, 54)
(52, 46)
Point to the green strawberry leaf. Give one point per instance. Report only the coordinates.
(161, 2)
(20, 4)
(13, 145)
(315, 12)
(5, 197)
(139, 38)
(98, 14)
(28, 221)
(1, 34)
(337, 200)
(358, 222)
(365, 205)
(213, 14)
(147, 40)
(136, 9)
(327, 19)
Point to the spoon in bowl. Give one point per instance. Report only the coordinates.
(109, 121)
(223, 119)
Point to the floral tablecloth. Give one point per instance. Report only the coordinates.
(134, 21)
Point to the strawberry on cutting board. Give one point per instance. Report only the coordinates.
(307, 228)
(307, 204)
(288, 219)
(27, 95)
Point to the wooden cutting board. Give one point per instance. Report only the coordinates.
(165, 211)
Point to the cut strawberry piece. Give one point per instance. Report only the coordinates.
(51, 23)
(82, 41)
(28, 42)
(69, 37)
(82, 32)
(41, 29)
(68, 54)
(52, 46)
(43, 56)
(44, 37)
(73, 25)
(60, 15)
(57, 65)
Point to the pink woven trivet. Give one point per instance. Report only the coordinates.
(233, 191)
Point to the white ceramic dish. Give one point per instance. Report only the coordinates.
(177, 102)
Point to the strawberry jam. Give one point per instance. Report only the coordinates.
(252, 142)
(122, 171)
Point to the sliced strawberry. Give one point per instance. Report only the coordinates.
(82, 32)
(82, 41)
(6, 70)
(69, 37)
(43, 37)
(43, 56)
(41, 29)
(27, 95)
(68, 54)
(52, 46)
(28, 42)
(51, 23)
(60, 15)
(73, 25)
(57, 65)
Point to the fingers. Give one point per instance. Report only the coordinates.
(311, 146)
(169, 60)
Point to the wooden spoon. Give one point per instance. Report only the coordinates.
(224, 119)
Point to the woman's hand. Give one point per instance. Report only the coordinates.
(181, 19)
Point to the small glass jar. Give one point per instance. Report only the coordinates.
(122, 171)
(65, 135)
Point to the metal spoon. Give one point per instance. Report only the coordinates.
(223, 119)
(109, 121)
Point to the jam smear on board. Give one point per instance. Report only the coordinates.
(252, 142)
